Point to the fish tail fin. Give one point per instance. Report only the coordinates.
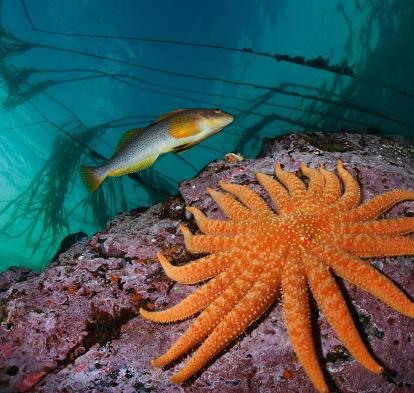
(91, 177)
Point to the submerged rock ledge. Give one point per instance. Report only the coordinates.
(74, 327)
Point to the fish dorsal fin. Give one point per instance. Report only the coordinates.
(126, 137)
(183, 127)
(167, 115)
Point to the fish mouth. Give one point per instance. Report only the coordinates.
(215, 122)
(226, 119)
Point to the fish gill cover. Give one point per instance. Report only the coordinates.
(76, 75)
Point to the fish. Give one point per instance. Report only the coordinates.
(139, 148)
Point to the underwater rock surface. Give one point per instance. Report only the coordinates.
(74, 327)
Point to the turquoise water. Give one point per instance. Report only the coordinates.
(77, 74)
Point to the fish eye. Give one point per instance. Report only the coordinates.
(217, 111)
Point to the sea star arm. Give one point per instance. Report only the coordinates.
(209, 318)
(297, 317)
(250, 307)
(199, 269)
(377, 205)
(250, 198)
(198, 300)
(363, 275)
(279, 195)
(332, 190)
(352, 194)
(295, 186)
(190, 305)
(333, 306)
(389, 226)
(210, 226)
(316, 183)
(376, 246)
(230, 207)
(206, 243)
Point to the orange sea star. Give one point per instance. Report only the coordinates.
(316, 232)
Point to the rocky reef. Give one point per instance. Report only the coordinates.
(75, 327)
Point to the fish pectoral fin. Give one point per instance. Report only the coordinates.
(138, 166)
(188, 145)
(183, 127)
(126, 137)
(167, 115)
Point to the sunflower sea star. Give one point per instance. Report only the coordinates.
(317, 231)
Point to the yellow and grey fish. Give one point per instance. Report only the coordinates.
(139, 148)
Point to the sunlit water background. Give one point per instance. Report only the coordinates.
(70, 88)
